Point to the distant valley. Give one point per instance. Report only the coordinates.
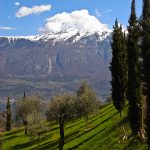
(56, 62)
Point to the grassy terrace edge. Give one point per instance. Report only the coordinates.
(105, 131)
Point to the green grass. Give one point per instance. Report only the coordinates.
(105, 132)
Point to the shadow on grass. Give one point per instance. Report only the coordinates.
(91, 128)
(122, 122)
(105, 138)
(55, 128)
(14, 132)
(71, 126)
(10, 138)
(73, 136)
(102, 112)
(97, 116)
(54, 144)
(76, 146)
(48, 145)
(89, 138)
(29, 143)
(100, 115)
(21, 146)
(92, 119)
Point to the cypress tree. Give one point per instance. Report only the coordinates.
(134, 73)
(24, 95)
(119, 68)
(145, 46)
(8, 112)
(25, 123)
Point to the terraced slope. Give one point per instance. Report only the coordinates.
(105, 132)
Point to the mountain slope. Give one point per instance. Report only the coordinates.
(61, 60)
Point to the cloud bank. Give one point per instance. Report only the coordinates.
(7, 28)
(80, 19)
(25, 11)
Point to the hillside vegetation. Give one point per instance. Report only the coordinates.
(105, 131)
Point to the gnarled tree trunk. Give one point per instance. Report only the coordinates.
(61, 142)
(26, 127)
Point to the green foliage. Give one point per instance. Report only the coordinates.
(27, 106)
(105, 133)
(119, 67)
(61, 108)
(134, 72)
(145, 46)
(86, 102)
(8, 115)
(36, 125)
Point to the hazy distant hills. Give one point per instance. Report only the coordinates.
(55, 62)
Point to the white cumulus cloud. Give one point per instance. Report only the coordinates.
(17, 3)
(25, 11)
(7, 28)
(79, 19)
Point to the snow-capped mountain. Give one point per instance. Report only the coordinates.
(55, 61)
(64, 35)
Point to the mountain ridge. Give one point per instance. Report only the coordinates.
(63, 35)
(45, 59)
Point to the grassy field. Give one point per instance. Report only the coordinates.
(105, 132)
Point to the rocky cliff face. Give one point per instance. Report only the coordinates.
(55, 62)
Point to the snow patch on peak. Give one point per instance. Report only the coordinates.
(71, 33)
(14, 38)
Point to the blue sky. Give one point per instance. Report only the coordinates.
(105, 10)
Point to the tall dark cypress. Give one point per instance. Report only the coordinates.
(8, 113)
(134, 73)
(145, 45)
(119, 68)
(25, 123)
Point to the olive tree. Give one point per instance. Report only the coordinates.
(26, 106)
(61, 109)
(36, 125)
(86, 102)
